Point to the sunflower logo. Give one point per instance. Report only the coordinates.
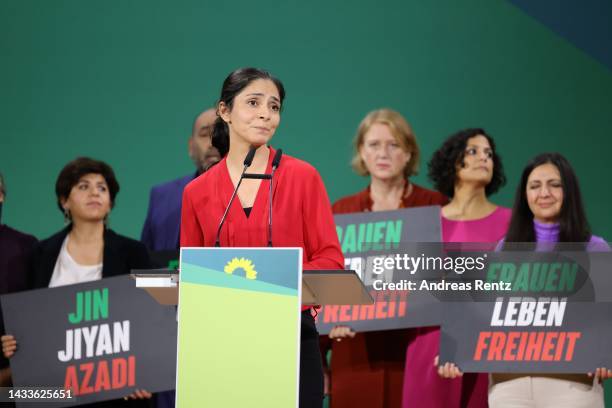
(245, 264)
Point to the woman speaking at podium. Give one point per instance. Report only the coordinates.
(249, 112)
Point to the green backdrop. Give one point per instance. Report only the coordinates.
(122, 80)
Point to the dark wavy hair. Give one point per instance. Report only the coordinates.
(442, 168)
(74, 170)
(232, 86)
(573, 224)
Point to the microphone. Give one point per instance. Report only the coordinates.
(277, 158)
(275, 163)
(247, 162)
(249, 157)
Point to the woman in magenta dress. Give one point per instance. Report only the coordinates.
(468, 169)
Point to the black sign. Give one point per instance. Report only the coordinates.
(539, 313)
(366, 239)
(100, 340)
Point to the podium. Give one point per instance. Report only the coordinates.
(239, 321)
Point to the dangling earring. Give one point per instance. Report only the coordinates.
(67, 218)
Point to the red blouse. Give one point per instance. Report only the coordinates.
(301, 213)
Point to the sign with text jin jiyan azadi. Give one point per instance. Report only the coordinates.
(239, 327)
(101, 340)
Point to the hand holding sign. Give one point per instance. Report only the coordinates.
(9, 345)
(448, 370)
(340, 332)
(602, 373)
(139, 394)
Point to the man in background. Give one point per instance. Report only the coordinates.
(161, 228)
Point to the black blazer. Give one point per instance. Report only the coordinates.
(121, 254)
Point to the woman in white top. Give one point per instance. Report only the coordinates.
(85, 250)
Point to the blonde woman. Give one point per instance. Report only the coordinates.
(367, 368)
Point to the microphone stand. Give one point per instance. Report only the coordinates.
(247, 162)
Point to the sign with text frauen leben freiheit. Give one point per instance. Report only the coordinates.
(239, 327)
(552, 313)
(100, 340)
(373, 235)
